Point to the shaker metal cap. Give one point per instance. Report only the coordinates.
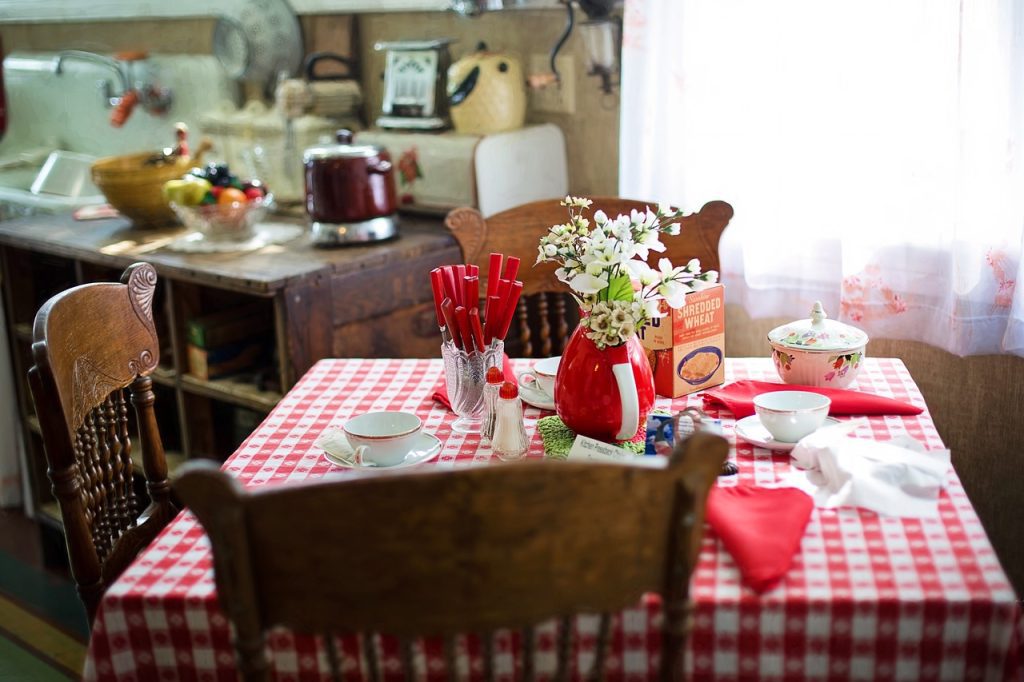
(818, 333)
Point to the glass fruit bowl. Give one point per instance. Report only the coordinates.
(224, 222)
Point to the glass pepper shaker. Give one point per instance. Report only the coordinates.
(509, 440)
(495, 378)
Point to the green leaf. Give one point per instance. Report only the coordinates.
(620, 288)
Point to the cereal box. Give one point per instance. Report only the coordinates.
(686, 348)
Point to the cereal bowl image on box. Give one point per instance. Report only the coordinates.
(700, 364)
(818, 351)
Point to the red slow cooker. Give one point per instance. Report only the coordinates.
(350, 193)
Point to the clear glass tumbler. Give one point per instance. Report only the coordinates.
(465, 375)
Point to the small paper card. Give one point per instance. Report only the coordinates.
(584, 448)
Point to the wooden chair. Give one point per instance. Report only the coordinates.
(89, 344)
(445, 552)
(546, 305)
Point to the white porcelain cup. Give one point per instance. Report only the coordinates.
(542, 378)
(791, 415)
(382, 438)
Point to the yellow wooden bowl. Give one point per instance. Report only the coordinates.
(133, 184)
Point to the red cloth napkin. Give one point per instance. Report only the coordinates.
(441, 394)
(738, 398)
(761, 528)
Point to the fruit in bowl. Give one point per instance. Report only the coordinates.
(217, 204)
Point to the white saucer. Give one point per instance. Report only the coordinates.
(751, 430)
(426, 449)
(532, 396)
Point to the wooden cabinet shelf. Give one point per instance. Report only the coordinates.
(363, 301)
(165, 376)
(229, 390)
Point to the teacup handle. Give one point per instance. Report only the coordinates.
(357, 455)
(534, 383)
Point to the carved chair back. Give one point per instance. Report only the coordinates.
(547, 314)
(90, 343)
(436, 553)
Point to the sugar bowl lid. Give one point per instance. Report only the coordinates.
(818, 333)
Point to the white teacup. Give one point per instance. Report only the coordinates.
(382, 438)
(791, 415)
(542, 378)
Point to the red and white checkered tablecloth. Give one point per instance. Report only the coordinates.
(868, 597)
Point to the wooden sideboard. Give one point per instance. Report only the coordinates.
(364, 301)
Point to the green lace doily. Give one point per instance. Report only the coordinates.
(558, 438)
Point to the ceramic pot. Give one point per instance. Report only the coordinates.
(487, 93)
(604, 394)
(348, 182)
(818, 351)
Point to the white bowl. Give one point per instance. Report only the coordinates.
(791, 415)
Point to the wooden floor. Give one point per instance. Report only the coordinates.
(43, 630)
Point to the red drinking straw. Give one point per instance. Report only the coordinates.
(460, 275)
(478, 332)
(449, 283)
(471, 292)
(450, 319)
(437, 284)
(491, 317)
(510, 307)
(511, 269)
(504, 285)
(462, 315)
(493, 274)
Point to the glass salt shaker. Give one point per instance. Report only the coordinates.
(509, 440)
(495, 378)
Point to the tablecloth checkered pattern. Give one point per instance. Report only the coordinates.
(868, 597)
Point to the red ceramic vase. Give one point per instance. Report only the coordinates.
(604, 394)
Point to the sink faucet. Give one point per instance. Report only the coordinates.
(154, 99)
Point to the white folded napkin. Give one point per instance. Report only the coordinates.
(896, 477)
(334, 442)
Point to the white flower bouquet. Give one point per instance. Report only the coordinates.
(606, 268)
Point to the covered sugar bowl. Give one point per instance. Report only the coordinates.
(818, 351)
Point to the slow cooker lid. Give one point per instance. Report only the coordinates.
(818, 333)
(342, 151)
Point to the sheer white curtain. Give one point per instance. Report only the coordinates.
(872, 152)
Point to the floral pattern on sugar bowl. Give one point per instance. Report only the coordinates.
(818, 351)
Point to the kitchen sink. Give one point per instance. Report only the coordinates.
(17, 200)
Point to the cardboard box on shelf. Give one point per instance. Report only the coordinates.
(686, 348)
(215, 363)
(229, 326)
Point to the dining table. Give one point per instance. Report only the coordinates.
(867, 597)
